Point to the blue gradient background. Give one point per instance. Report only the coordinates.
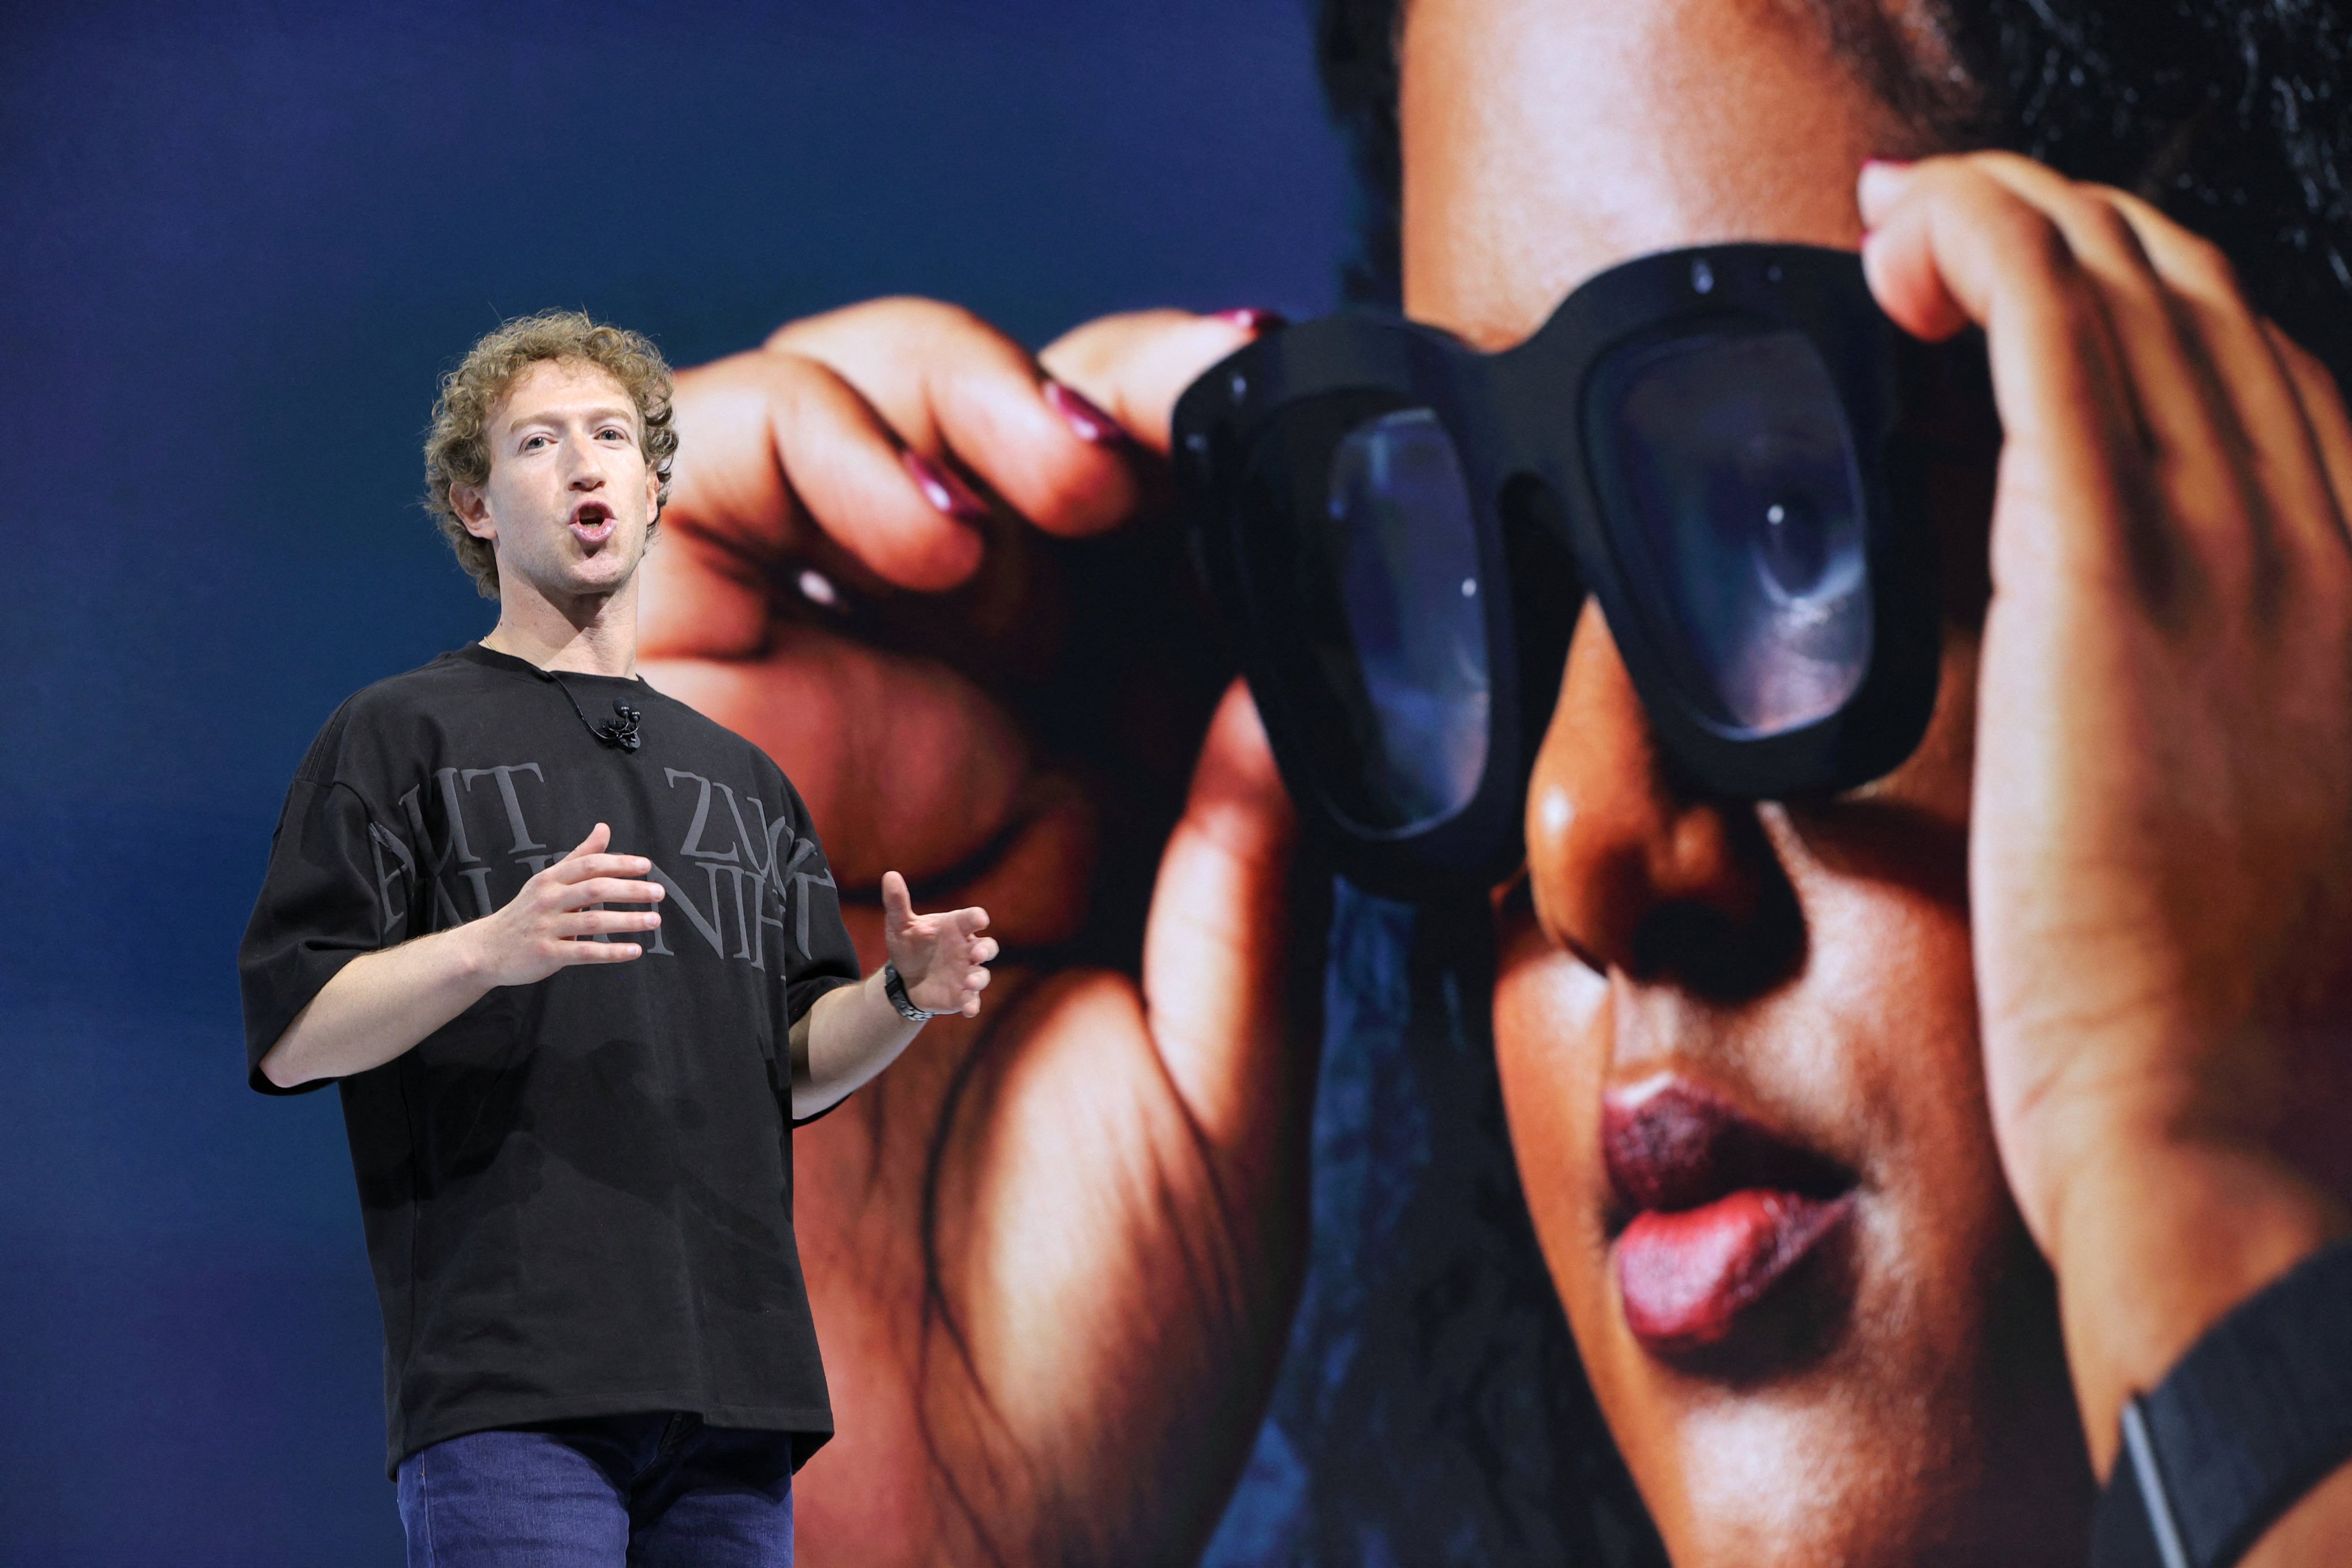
(237, 244)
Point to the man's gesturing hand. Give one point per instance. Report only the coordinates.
(942, 958)
(381, 1003)
(559, 920)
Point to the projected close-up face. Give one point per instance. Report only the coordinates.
(1738, 1042)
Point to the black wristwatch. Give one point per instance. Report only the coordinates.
(2256, 1413)
(893, 986)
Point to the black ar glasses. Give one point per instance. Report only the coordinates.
(1400, 530)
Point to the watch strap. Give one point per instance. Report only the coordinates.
(893, 986)
(2258, 1411)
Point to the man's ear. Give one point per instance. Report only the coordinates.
(652, 495)
(473, 509)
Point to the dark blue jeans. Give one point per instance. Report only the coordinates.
(613, 1491)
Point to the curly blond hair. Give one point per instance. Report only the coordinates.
(457, 448)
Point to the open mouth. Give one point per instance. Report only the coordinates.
(1716, 1210)
(591, 523)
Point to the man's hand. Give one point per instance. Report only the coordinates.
(1053, 1252)
(381, 1004)
(942, 958)
(558, 918)
(853, 1033)
(2161, 833)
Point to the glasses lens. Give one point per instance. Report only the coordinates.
(1745, 552)
(1394, 678)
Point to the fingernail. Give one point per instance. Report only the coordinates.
(1254, 320)
(943, 489)
(1882, 180)
(1089, 423)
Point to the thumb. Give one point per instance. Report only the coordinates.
(598, 836)
(1216, 952)
(897, 907)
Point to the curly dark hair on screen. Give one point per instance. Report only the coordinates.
(2231, 117)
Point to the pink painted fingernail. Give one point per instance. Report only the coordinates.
(1254, 320)
(943, 489)
(1089, 423)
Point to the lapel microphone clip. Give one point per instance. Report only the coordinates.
(620, 731)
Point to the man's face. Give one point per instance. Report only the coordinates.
(570, 501)
(1735, 1035)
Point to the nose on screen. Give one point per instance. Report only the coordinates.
(1746, 548)
(1398, 624)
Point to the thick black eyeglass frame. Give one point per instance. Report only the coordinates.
(1255, 434)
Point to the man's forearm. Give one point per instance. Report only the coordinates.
(850, 1034)
(377, 1006)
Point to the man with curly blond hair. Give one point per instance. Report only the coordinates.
(457, 449)
(571, 1124)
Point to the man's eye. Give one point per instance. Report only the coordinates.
(614, 431)
(530, 441)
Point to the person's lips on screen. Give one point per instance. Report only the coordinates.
(1713, 1209)
(591, 523)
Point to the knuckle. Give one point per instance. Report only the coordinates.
(1080, 486)
(2037, 243)
(946, 318)
(1993, 162)
(2208, 266)
(800, 386)
(890, 320)
(2103, 223)
(2305, 366)
(1970, 179)
(2111, 198)
(907, 312)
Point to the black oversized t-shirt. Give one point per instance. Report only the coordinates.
(578, 1193)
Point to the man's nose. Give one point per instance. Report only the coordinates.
(1632, 869)
(583, 466)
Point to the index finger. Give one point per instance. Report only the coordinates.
(1949, 245)
(580, 867)
(598, 836)
(1139, 363)
(958, 391)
